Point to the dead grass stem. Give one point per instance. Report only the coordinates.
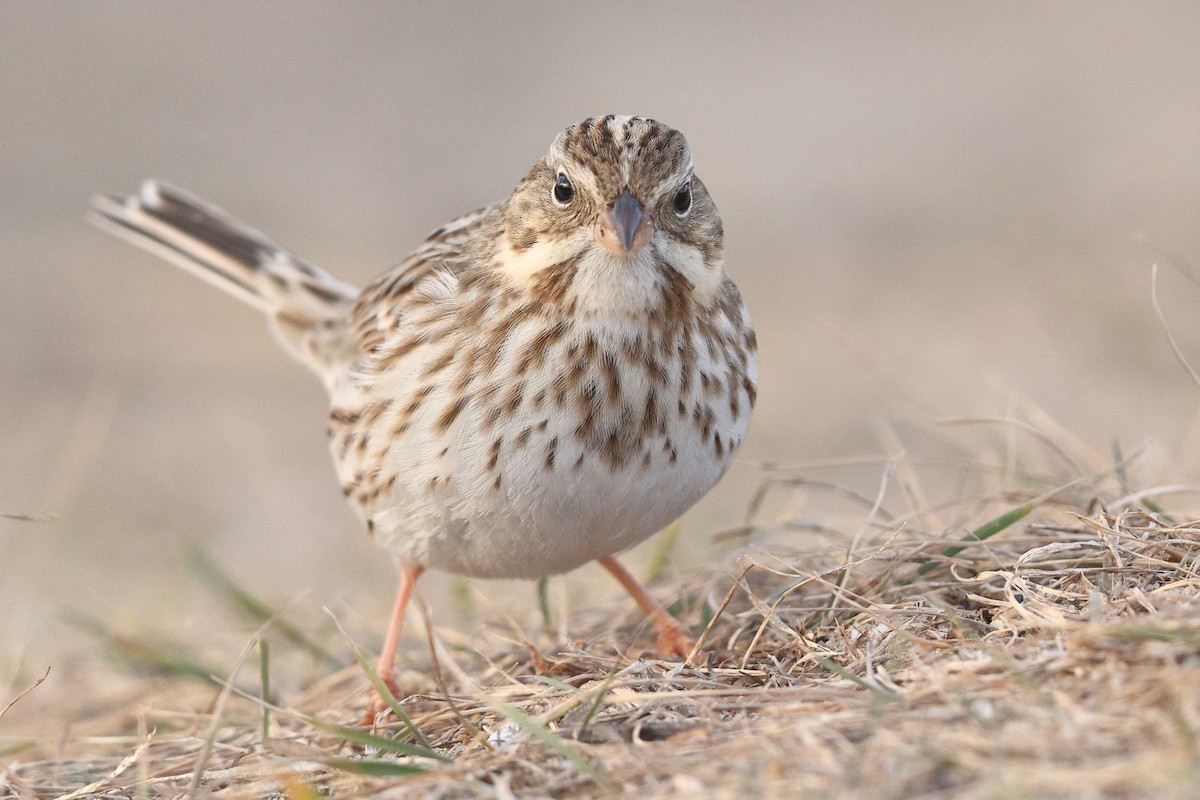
(1053, 650)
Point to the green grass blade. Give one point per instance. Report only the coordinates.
(660, 559)
(707, 612)
(353, 735)
(264, 669)
(138, 651)
(594, 706)
(983, 532)
(16, 747)
(386, 693)
(374, 767)
(555, 743)
(556, 683)
(543, 595)
(841, 671)
(360, 737)
(212, 574)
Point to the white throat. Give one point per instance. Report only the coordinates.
(612, 283)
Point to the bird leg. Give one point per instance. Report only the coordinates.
(387, 658)
(673, 638)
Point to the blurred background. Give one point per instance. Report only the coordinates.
(931, 208)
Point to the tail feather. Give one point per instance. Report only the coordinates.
(307, 306)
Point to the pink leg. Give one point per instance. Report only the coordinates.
(673, 639)
(387, 659)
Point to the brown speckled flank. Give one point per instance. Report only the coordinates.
(545, 381)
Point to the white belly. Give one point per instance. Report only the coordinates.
(545, 520)
(537, 490)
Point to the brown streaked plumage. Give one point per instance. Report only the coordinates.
(543, 382)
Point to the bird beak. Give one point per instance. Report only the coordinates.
(624, 227)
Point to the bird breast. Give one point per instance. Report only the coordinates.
(545, 442)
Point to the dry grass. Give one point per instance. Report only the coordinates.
(873, 656)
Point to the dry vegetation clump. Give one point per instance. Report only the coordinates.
(1052, 651)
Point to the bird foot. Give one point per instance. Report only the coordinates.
(673, 641)
(378, 705)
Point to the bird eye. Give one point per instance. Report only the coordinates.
(683, 199)
(563, 190)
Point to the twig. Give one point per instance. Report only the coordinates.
(26, 691)
(1166, 328)
(721, 610)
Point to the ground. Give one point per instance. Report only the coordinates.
(1051, 651)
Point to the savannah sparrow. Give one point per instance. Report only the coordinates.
(544, 382)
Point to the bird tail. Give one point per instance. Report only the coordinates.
(307, 306)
